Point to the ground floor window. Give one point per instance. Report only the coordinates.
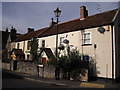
(28, 57)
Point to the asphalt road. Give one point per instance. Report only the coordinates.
(12, 80)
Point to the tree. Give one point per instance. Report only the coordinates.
(34, 49)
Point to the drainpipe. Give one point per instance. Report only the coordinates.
(82, 43)
(24, 48)
(112, 52)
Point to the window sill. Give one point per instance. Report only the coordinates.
(86, 44)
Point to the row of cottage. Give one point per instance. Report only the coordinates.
(97, 36)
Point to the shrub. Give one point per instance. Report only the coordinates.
(70, 65)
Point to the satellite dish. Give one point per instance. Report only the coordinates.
(101, 29)
(65, 41)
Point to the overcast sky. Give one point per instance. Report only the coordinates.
(37, 15)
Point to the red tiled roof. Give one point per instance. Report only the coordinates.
(100, 19)
(30, 35)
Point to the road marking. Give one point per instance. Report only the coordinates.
(59, 84)
(92, 85)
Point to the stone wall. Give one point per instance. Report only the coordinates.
(32, 69)
(6, 66)
(27, 67)
(46, 71)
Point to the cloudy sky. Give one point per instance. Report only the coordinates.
(37, 15)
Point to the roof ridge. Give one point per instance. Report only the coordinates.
(87, 16)
(43, 30)
(70, 20)
(102, 13)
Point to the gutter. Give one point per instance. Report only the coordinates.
(115, 15)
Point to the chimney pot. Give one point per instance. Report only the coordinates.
(13, 30)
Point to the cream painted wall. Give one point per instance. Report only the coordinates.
(102, 54)
(23, 46)
(49, 42)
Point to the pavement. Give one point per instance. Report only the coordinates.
(100, 83)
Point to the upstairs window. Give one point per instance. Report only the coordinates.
(86, 38)
(28, 45)
(43, 43)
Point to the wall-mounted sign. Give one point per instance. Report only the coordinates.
(101, 29)
(107, 28)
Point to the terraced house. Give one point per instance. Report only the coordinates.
(97, 36)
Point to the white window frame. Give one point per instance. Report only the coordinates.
(86, 40)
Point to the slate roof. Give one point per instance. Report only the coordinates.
(100, 19)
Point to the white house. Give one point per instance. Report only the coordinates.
(97, 36)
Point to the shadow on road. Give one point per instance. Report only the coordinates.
(8, 75)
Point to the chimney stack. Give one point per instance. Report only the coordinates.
(13, 32)
(30, 30)
(83, 12)
(52, 23)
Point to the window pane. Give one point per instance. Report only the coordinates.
(18, 45)
(28, 45)
(86, 38)
(43, 43)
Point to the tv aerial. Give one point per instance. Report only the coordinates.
(99, 8)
